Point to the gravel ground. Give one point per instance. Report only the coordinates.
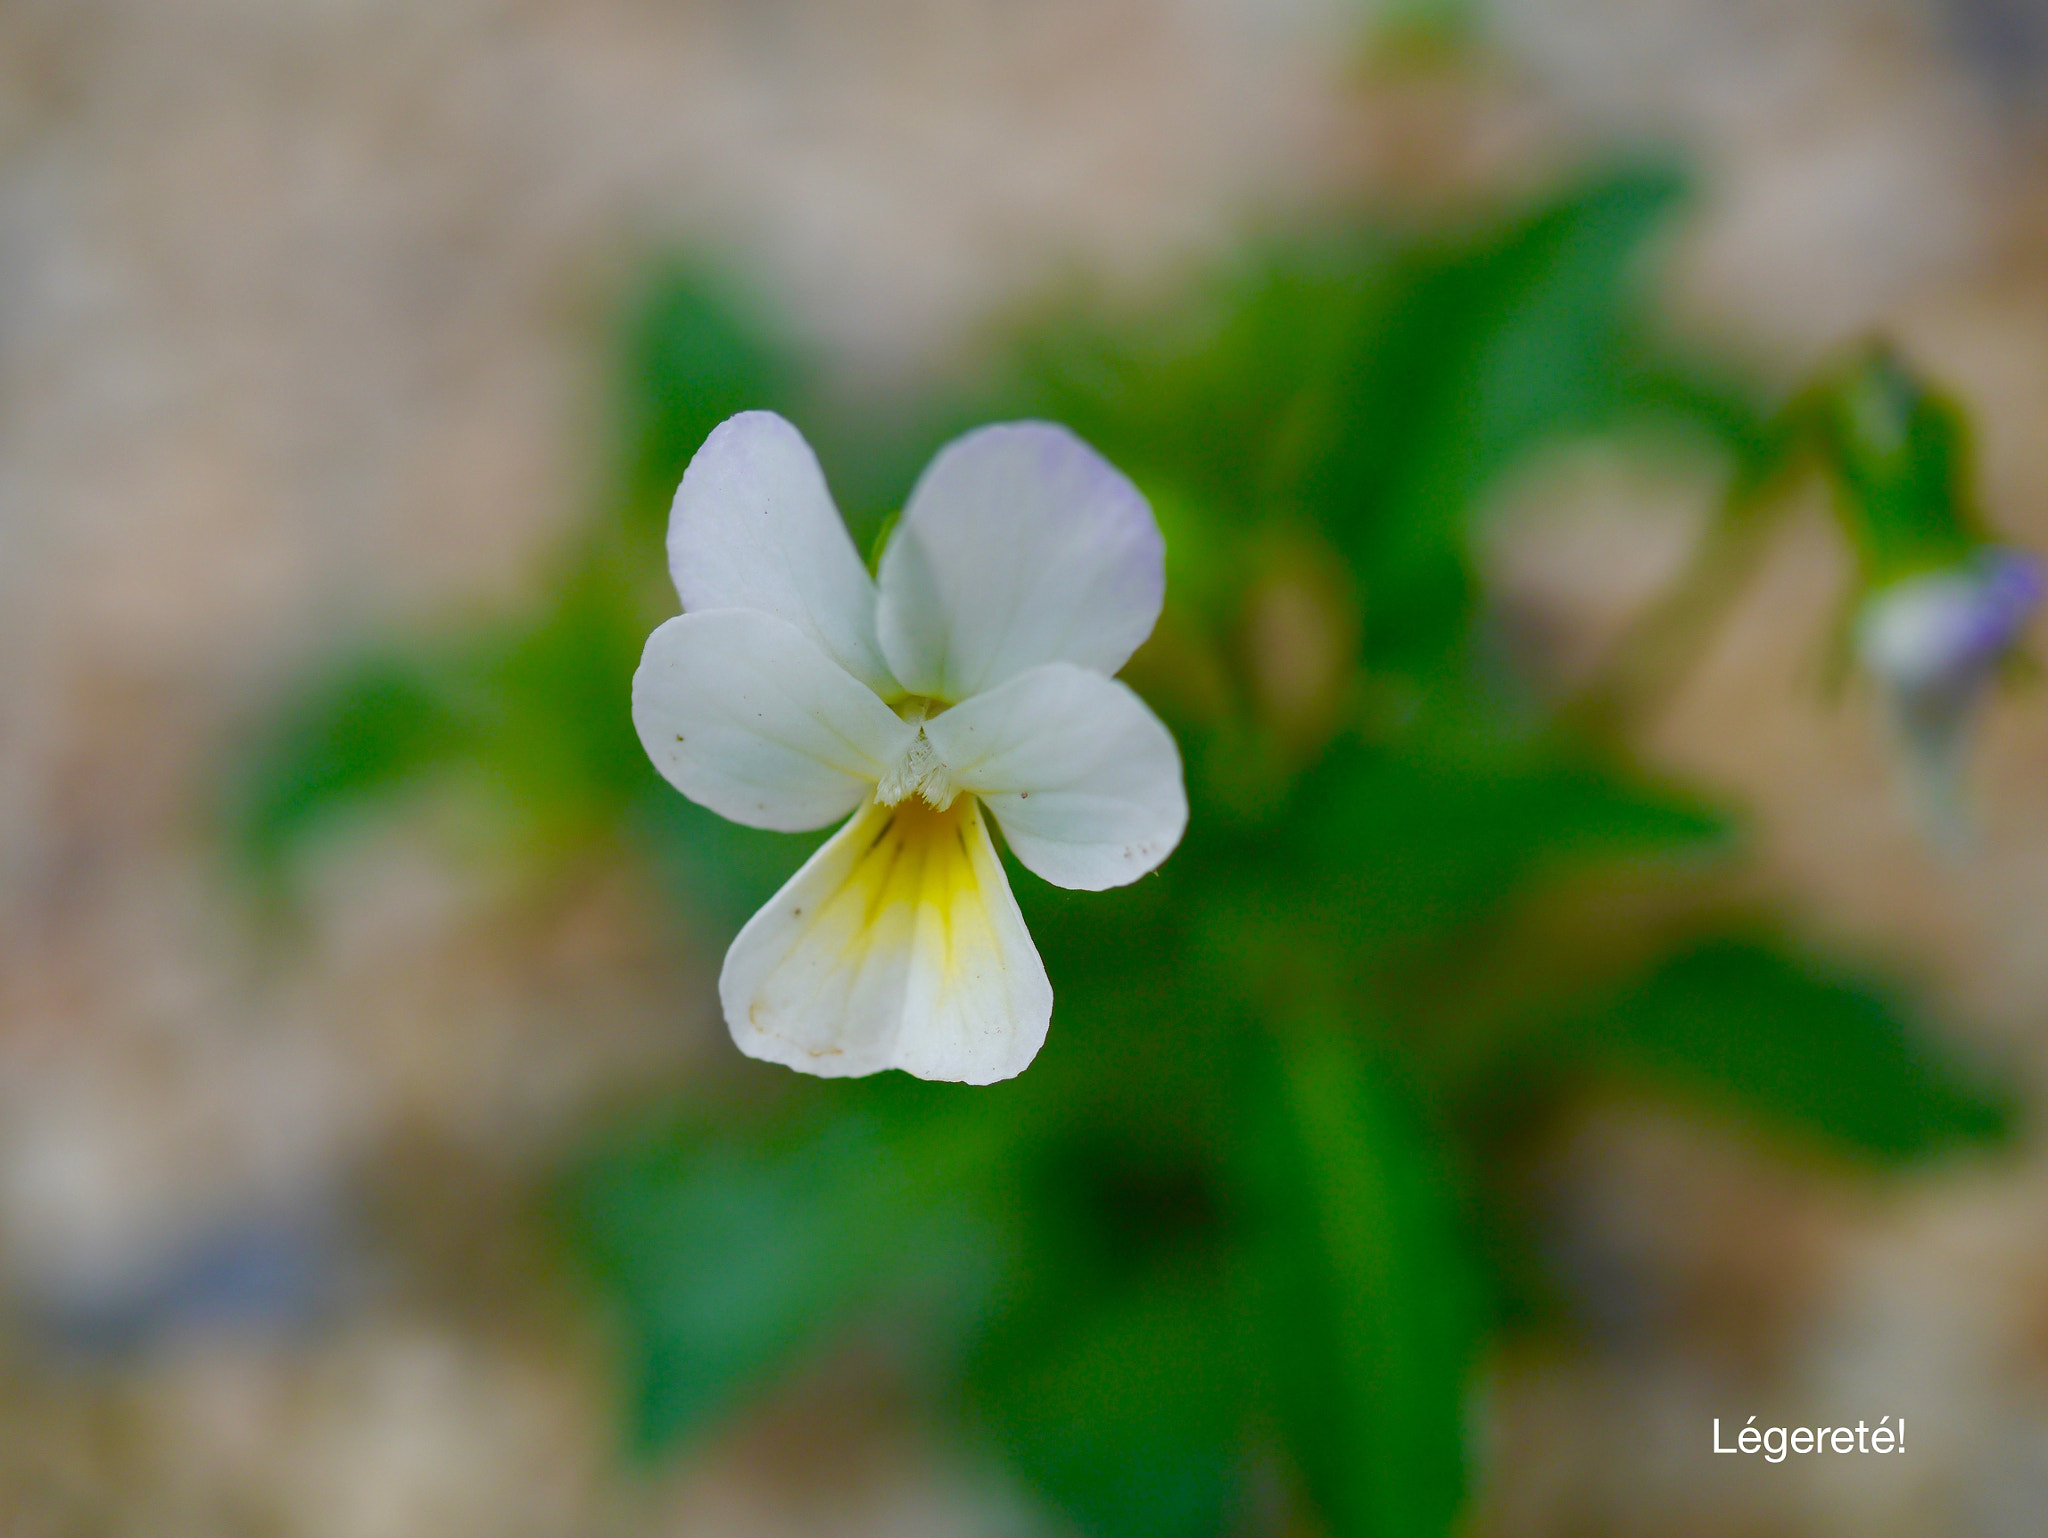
(300, 324)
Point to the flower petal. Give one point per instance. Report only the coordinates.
(754, 527)
(744, 714)
(1020, 545)
(1084, 779)
(1949, 628)
(898, 945)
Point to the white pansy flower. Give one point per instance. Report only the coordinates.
(971, 675)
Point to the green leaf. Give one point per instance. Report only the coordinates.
(728, 1257)
(557, 691)
(1113, 1377)
(539, 712)
(538, 705)
(1125, 1407)
(1375, 1309)
(691, 355)
(714, 869)
(1422, 29)
(1415, 843)
(1898, 452)
(1208, 394)
(1480, 354)
(1743, 1024)
(363, 732)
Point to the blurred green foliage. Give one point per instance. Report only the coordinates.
(1897, 452)
(1375, 1313)
(1800, 1028)
(1229, 1222)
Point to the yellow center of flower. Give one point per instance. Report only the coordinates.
(902, 921)
(901, 902)
(916, 877)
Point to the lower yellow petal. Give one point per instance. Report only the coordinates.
(898, 945)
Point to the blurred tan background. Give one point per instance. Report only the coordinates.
(302, 336)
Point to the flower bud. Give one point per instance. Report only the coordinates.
(1944, 632)
(1933, 641)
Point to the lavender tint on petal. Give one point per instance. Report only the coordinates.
(1019, 545)
(2013, 587)
(754, 527)
(1934, 641)
(1944, 631)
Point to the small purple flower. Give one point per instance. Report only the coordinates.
(1933, 641)
(1947, 630)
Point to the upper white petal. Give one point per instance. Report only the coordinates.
(1084, 779)
(1019, 545)
(744, 714)
(754, 527)
(898, 945)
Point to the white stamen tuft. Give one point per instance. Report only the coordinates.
(919, 772)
